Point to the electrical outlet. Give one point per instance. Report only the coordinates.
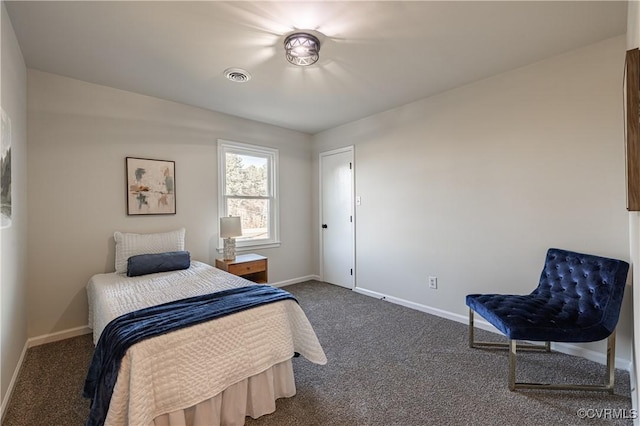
(433, 282)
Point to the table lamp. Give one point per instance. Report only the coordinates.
(230, 227)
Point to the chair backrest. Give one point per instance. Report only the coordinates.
(586, 290)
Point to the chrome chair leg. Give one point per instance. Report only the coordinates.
(512, 364)
(513, 346)
(482, 344)
(609, 380)
(471, 337)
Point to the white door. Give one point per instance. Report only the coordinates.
(336, 217)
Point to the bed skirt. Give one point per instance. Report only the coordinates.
(255, 397)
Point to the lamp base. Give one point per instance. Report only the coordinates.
(229, 249)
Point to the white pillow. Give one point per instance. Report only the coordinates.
(128, 245)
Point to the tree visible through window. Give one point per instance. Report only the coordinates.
(248, 190)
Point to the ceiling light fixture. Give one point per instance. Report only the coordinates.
(302, 49)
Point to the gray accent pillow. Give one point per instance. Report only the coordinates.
(143, 264)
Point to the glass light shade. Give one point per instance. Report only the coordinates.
(302, 49)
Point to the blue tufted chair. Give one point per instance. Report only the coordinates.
(578, 299)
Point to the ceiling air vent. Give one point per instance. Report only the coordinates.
(237, 75)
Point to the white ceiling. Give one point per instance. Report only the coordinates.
(374, 56)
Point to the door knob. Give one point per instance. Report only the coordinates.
(324, 226)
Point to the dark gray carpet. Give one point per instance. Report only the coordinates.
(388, 365)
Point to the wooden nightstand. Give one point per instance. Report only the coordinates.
(250, 266)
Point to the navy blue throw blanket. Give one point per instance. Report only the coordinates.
(131, 328)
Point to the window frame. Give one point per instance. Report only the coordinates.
(271, 154)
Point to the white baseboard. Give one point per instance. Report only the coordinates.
(566, 348)
(59, 335)
(12, 383)
(295, 281)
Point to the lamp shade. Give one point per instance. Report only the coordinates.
(230, 227)
(302, 49)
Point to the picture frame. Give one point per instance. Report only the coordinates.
(633, 128)
(151, 186)
(6, 190)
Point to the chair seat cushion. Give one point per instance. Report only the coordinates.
(529, 317)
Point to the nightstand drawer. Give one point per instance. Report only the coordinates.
(252, 267)
(248, 267)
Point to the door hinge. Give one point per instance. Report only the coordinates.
(351, 219)
(351, 271)
(350, 165)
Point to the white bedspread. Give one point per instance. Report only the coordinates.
(180, 369)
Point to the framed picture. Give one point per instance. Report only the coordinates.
(5, 172)
(633, 129)
(151, 186)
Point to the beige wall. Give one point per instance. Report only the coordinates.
(79, 136)
(475, 184)
(13, 246)
(633, 24)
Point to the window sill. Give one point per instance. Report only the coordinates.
(252, 247)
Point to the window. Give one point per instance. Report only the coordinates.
(248, 188)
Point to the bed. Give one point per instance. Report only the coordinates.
(216, 372)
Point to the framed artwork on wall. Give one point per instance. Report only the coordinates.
(5, 172)
(151, 186)
(633, 129)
